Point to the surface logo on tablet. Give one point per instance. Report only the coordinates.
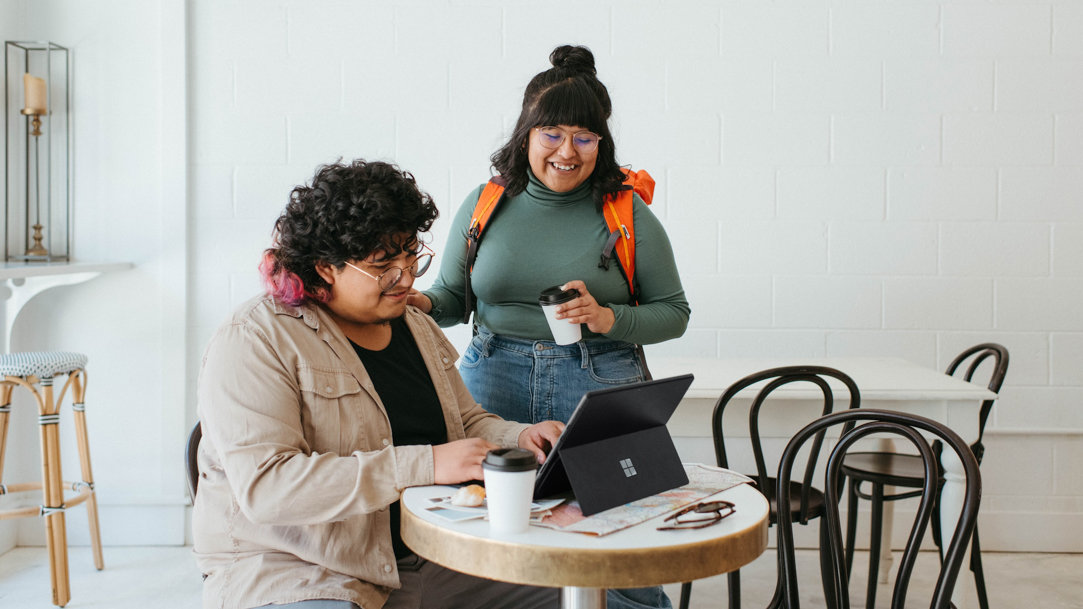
(629, 469)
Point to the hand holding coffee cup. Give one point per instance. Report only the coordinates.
(564, 332)
(509, 488)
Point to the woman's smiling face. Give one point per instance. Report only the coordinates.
(562, 168)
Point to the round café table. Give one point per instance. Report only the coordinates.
(584, 566)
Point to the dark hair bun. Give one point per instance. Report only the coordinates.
(573, 58)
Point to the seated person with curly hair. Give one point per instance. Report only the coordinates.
(324, 398)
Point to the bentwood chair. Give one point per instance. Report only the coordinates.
(911, 428)
(805, 502)
(880, 469)
(191, 466)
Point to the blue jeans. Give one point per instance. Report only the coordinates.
(538, 380)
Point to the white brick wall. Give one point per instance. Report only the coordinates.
(837, 178)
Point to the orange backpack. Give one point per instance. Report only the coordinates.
(617, 210)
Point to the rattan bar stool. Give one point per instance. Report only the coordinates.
(35, 372)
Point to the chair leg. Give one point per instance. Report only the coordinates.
(686, 595)
(82, 439)
(827, 568)
(53, 495)
(778, 598)
(874, 544)
(936, 525)
(851, 525)
(979, 574)
(5, 413)
(887, 523)
(733, 579)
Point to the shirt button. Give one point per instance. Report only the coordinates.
(387, 568)
(445, 360)
(385, 442)
(327, 389)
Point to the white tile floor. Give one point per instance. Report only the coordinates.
(166, 578)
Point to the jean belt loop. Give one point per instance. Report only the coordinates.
(584, 355)
(486, 340)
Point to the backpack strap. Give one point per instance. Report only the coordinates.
(617, 210)
(490, 199)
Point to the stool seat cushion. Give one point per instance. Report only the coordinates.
(42, 364)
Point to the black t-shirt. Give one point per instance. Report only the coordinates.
(403, 383)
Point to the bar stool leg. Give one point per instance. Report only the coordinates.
(53, 493)
(78, 379)
(5, 412)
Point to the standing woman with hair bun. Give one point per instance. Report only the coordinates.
(557, 169)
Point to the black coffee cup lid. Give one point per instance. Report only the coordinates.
(555, 295)
(510, 460)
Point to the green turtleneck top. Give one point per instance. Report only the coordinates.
(541, 238)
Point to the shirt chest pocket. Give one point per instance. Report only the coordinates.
(332, 406)
(447, 356)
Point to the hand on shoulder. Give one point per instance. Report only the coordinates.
(419, 300)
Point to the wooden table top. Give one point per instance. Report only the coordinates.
(634, 557)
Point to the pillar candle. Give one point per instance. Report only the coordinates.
(35, 94)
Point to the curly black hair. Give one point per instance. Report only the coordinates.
(569, 93)
(347, 212)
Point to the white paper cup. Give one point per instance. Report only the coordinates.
(509, 489)
(564, 331)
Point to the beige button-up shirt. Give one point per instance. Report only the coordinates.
(297, 464)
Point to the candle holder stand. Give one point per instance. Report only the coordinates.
(37, 152)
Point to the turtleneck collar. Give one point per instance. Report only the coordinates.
(542, 193)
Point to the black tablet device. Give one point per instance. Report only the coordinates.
(616, 448)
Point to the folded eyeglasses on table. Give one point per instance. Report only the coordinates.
(698, 515)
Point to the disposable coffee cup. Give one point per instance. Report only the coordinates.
(564, 331)
(509, 488)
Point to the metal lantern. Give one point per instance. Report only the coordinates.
(37, 158)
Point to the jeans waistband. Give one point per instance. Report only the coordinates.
(548, 348)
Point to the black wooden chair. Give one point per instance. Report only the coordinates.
(832, 554)
(191, 449)
(880, 469)
(806, 502)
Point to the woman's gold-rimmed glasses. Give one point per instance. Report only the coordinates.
(585, 142)
(698, 515)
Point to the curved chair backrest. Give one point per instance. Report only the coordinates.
(976, 355)
(779, 377)
(191, 449)
(909, 427)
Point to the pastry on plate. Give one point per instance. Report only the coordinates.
(469, 496)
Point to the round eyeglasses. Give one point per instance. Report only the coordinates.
(552, 137)
(699, 515)
(392, 275)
